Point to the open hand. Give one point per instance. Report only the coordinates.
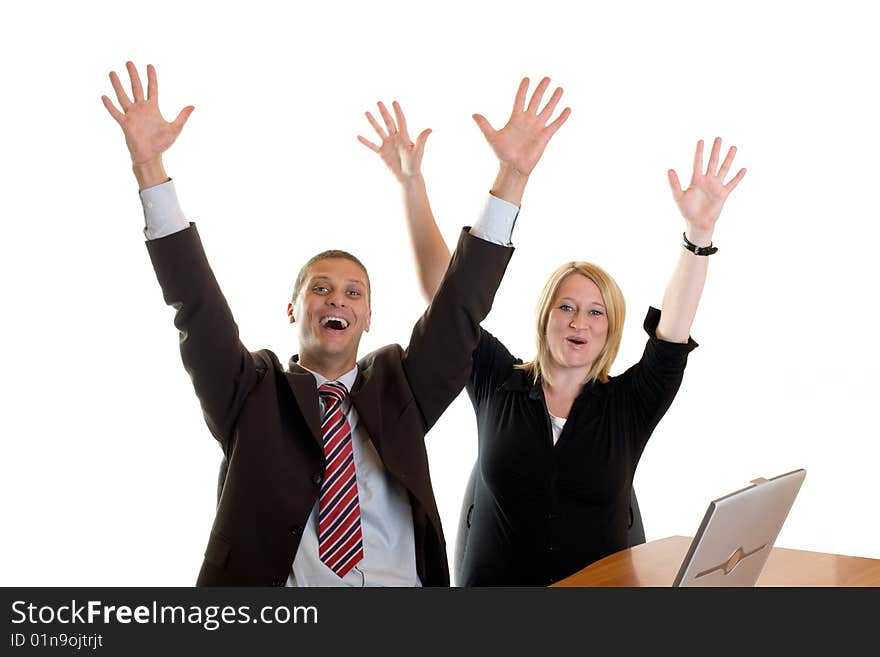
(521, 142)
(147, 134)
(701, 203)
(397, 150)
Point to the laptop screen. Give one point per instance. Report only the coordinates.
(736, 535)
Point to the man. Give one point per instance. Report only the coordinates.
(327, 479)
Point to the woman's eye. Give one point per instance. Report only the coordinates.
(596, 313)
(565, 308)
(320, 289)
(354, 293)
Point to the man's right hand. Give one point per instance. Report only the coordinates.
(147, 134)
(521, 142)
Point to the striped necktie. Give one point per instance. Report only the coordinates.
(340, 543)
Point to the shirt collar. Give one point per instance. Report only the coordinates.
(346, 379)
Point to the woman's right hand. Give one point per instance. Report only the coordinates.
(397, 150)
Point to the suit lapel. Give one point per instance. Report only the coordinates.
(302, 384)
(365, 397)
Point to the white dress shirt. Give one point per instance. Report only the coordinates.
(389, 547)
(386, 514)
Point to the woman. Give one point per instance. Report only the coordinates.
(559, 439)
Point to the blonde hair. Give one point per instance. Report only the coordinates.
(615, 310)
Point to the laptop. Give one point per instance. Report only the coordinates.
(736, 535)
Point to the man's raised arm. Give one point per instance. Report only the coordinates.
(222, 370)
(439, 355)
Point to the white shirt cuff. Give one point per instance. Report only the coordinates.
(162, 213)
(496, 222)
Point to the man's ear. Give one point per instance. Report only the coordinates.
(367, 318)
(290, 312)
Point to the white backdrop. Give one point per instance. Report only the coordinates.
(108, 473)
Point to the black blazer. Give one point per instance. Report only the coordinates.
(267, 419)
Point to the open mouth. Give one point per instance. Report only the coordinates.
(334, 323)
(576, 341)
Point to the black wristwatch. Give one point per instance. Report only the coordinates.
(697, 250)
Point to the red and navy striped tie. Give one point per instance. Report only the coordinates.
(340, 542)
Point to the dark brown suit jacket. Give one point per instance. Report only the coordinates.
(267, 420)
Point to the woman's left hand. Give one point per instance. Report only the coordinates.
(701, 203)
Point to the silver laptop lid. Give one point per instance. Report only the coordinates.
(737, 532)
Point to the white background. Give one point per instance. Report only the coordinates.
(108, 473)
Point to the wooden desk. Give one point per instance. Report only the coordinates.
(657, 563)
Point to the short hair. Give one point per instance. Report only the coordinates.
(327, 255)
(615, 310)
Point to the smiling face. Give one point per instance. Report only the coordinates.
(577, 325)
(332, 308)
(575, 291)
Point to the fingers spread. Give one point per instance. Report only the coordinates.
(547, 112)
(386, 116)
(539, 93)
(674, 185)
(368, 144)
(713, 157)
(376, 126)
(401, 119)
(418, 149)
(422, 138)
(180, 121)
(553, 127)
(136, 87)
(121, 96)
(725, 166)
(115, 113)
(698, 160)
(483, 125)
(152, 84)
(519, 102)
(733, 183)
